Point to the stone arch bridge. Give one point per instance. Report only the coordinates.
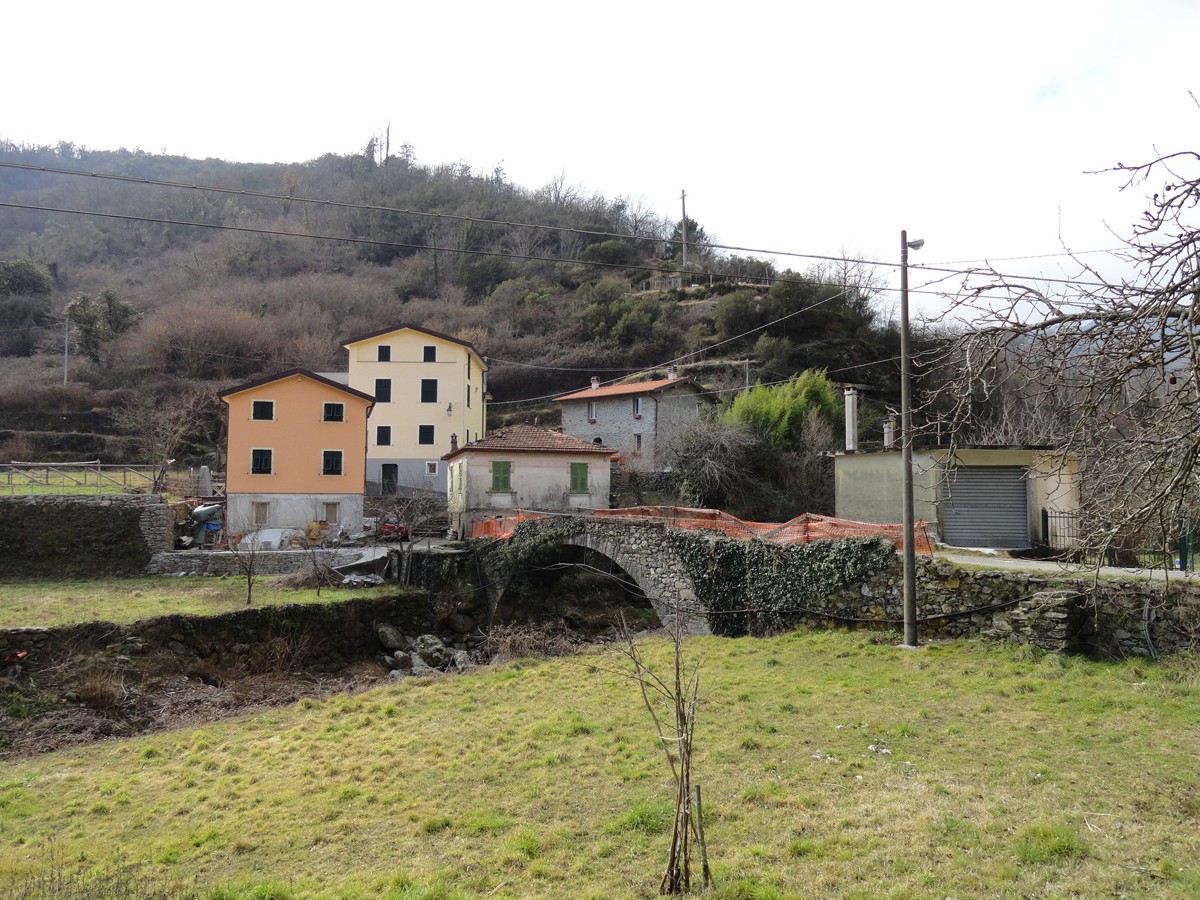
(640, 548)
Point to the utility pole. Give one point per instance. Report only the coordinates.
(683, 227)
(66, 345)
(906, 441)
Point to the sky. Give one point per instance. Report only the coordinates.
(802, 128)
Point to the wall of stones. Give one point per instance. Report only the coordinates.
(1116, 618)
(82, 536)
(222, 562)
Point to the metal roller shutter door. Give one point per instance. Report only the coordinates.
(986, 506)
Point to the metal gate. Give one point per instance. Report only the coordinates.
(986, 506)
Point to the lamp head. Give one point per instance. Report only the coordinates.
(917, 244)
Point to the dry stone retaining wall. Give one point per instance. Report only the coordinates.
(50, 535)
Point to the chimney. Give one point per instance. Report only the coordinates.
(889, 433)
(851, 419)
(453, 442)
(595, 383)
(672, 374)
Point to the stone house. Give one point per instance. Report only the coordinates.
(640, 421)
(525, 467)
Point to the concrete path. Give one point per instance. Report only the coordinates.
(989, 560)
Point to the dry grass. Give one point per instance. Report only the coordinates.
(831, 767)
(49, 603)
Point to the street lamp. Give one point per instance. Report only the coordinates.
(906, 436)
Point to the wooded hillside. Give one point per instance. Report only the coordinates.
(179, 274)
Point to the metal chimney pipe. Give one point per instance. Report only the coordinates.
(851, 419)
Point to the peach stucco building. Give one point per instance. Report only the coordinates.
(297, 448)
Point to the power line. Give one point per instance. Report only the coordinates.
(286, 198)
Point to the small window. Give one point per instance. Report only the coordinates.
(591, 411)
(501, 476)
(262, 513)
(429, 353)
(431, 468)
(637, 443)
(334, 412)
(579, 478)
(424, 434)
(263, 410)
(384, 353)
(260, 462)
(468, 367)
(429, 390)
(637, 407)
(383, 390)
(383, 435)
(331, 462)
(332, 512)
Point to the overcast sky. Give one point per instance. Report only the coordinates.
(804, 127)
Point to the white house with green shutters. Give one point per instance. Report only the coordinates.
(525, 467)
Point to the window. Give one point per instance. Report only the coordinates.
(384, 353)
(429, 390)
(637, 407)
(331, 462)
(501, 476)
(332, 512)
(637, 443)
(424, 434)
(260, 462)
(429, 353)
(262, 410)
(468, 367)
(591, 411)
(579, 478)
(383, 390)
(262, 513)
(334, 412)
(390, 475)
(431, 467)
(383, 435)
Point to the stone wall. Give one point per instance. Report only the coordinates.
(51, 535)
(1056, 612)
(265, 562)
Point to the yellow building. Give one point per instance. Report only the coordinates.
(427, 387)
(296, 452)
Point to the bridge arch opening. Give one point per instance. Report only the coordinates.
(576, 588)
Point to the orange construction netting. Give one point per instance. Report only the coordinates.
(800, 530)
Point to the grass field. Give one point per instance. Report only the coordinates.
(832, 766)
(49, 603)
(51, 479)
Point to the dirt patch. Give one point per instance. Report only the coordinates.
(79, 703)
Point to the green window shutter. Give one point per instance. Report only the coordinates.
(501, 476)
(579, 478)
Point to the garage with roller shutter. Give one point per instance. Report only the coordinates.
(988, 497)
(986, 506)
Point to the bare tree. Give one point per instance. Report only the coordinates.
(671, 702)
(160, 426)
(1117, 361)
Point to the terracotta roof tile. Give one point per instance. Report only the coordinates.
(616, 390)
(524, 438)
